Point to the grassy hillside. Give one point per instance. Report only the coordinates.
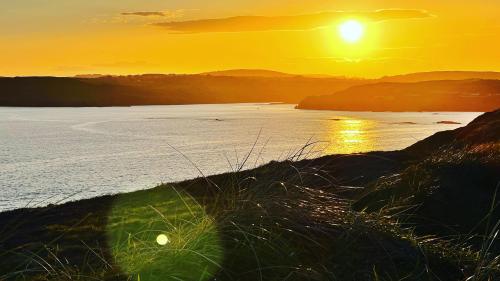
(448, 95)
(428, 212)
(452, 190)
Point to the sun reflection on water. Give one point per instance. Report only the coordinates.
(348, 136)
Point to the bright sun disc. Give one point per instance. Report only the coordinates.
(351, 31)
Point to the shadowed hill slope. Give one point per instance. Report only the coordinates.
(455, 95)
(56, 91)
(247, 85)
(451, 190)
(248, 73)
(442, 75)
(482, 130)
(162, 90)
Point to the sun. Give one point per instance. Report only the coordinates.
(351, 31)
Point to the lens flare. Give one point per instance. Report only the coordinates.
(141, 224)
(162, 240)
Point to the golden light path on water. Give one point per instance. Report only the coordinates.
(348, 136)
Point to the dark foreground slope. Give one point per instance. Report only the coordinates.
(453, 189)
(162, 90)
(446, 95)
(290, 220)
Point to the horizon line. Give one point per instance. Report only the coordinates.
(214, 73)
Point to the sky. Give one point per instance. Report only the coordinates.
(69, 37)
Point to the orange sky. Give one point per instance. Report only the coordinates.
(59, 37)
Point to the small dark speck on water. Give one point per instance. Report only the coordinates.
(405, 123)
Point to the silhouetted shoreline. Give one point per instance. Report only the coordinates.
(435, 91)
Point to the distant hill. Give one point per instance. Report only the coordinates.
(441, 75)
(410, 77)
(89, 76)
(249, 73)
(444, 90)
(157, 89)
(450, 95)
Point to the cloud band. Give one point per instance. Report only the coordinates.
(299, 22)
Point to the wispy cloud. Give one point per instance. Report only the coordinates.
(347, 60)
(144, 14)
(143, 17)
(298, 22)
(104, 66)
(169, 14)
(125, 64)
(166, 14)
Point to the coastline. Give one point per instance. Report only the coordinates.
(329, 201)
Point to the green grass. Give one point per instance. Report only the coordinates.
(192, 250)
(290, 220)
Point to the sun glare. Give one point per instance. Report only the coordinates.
(351, 31)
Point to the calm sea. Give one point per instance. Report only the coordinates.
(51, 155)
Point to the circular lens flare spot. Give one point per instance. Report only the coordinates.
(162, 240)
(351, 31)
(163, 232)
